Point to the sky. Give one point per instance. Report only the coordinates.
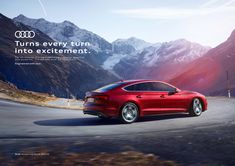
(208, 22)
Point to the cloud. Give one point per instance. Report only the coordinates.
(209, 3)
(231, 2)
(220, 3)
(43, 8)
(178, 13)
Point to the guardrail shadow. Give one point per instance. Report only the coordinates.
(95, 121)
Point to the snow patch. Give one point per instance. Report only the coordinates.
(112, 61)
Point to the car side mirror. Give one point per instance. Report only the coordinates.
(172, 92)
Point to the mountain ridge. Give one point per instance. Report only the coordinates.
(133, 58)
(51, 29)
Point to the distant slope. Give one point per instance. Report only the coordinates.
(61, 78)
(208, 73)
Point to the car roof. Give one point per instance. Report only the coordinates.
(128, 82)
(138, 80)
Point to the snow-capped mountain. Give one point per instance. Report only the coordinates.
(130, 45)
(100, 49)
(136, 57)
(176, 51)
(111, 61)
(185, 64)
(151, 61)
(126, 48)
(66, 31)
(151, 55)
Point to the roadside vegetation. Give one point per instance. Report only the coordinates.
(10, 92)
(44, 157)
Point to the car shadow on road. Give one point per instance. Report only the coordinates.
(94, 121)
(91, 121)
(163, 117)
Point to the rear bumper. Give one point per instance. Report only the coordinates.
(94, 112)
(100, 110)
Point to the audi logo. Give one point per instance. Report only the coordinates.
(24, 34)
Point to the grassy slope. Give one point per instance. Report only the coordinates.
(11, 92)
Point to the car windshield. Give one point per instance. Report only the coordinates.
(109, 87)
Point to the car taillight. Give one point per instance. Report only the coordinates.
(90, 100)
(101, 99)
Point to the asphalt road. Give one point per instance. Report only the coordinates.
(205, 140)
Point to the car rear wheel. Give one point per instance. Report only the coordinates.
(129, 113)
(196, 107)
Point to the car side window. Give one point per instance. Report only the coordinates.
(130, 88)
(150, 86)
(146, 86)
(159, 86)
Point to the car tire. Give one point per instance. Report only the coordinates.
(196, 107)
(129, 113)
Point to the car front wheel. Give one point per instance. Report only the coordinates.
(129, 113)
(196, 107)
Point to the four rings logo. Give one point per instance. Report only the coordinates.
(24, 34)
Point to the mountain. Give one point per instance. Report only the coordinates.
(186, 64)
(61, 78)
(160, 61)
(137, 57)
(67, 31)
(176, 51)
(130, 45)
(208, 74)
(124, 48)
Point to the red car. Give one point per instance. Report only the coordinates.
(131, 99)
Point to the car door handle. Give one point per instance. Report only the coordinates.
(162, 96)
(138, 96)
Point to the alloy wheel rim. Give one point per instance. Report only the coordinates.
(197, 107)
(129, 112)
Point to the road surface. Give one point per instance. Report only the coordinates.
(205, 140)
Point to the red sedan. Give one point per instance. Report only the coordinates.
(131, 99)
